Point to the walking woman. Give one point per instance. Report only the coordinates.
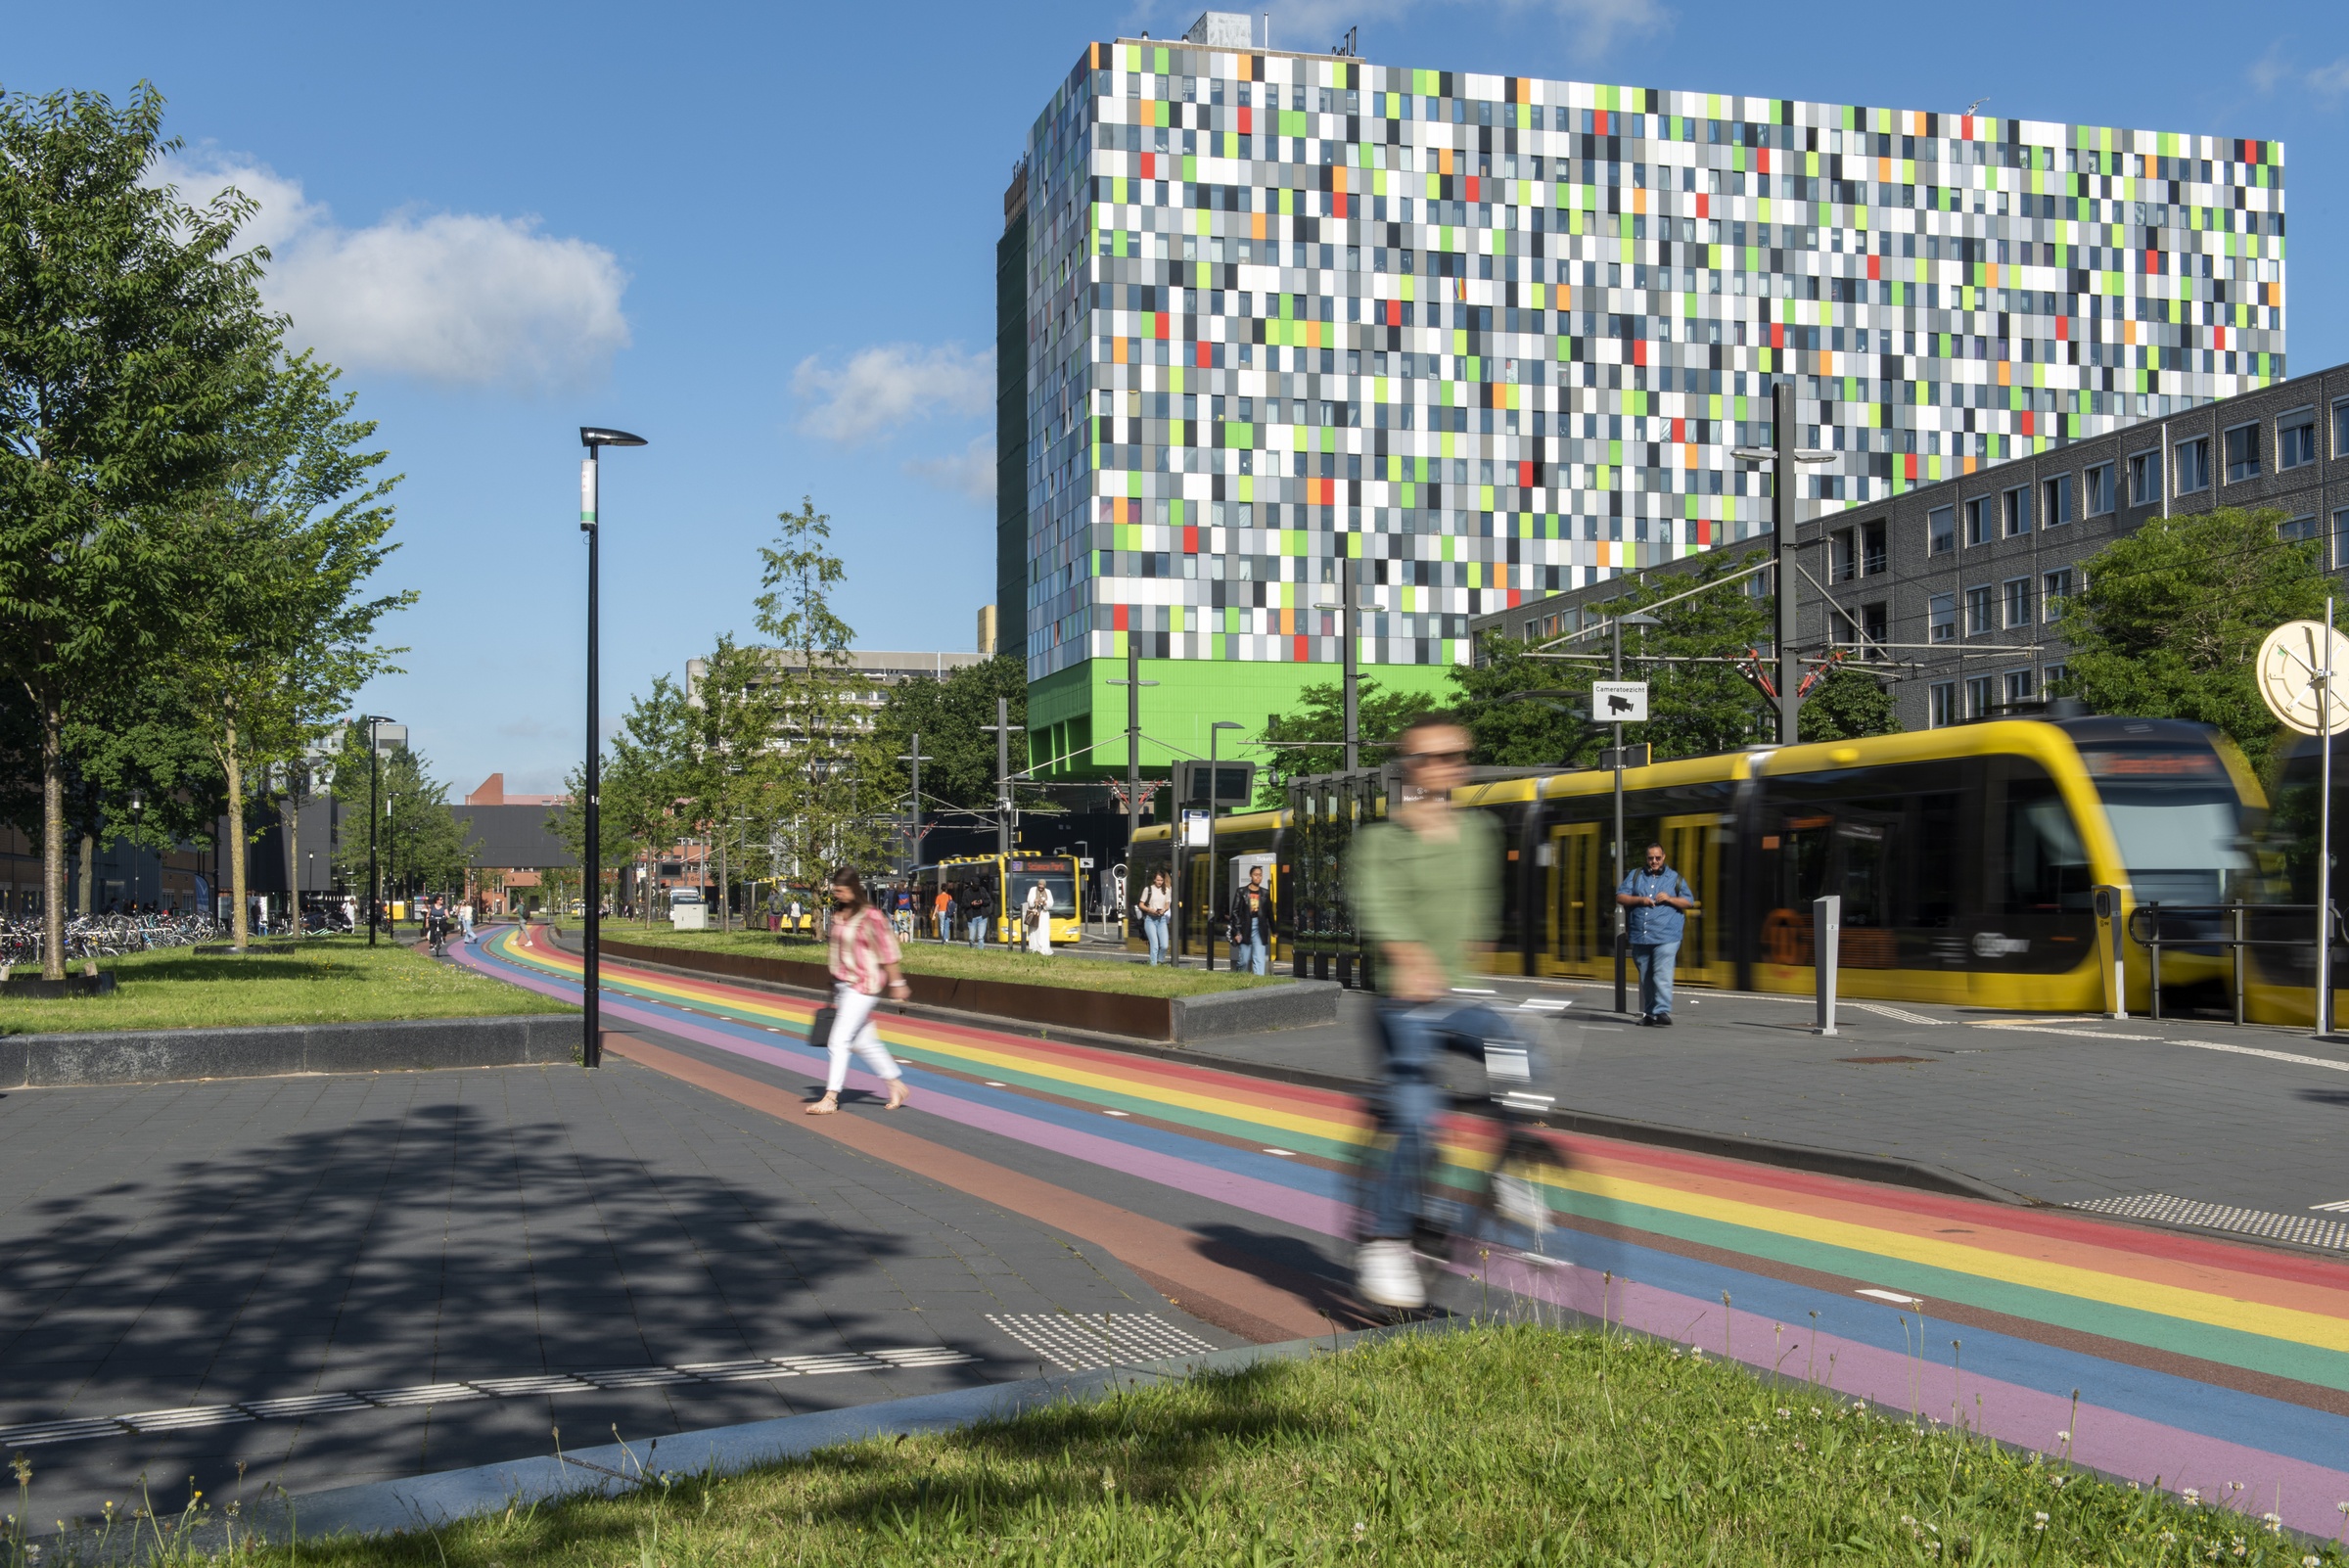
(865, 963)
(1157, 900)
(1036, 915)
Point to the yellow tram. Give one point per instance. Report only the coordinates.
(1966, 859)
(1007, 879)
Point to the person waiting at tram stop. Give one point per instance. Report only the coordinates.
(1250, 924)
(1658, 900)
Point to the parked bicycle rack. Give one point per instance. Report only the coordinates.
(2147, 930)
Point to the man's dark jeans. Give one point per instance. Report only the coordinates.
(1416, 1038)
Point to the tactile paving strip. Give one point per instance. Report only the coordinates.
(1078, 1344)
(301, 1406)
(2305, 1231)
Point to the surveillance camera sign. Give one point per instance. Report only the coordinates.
(1619, 702)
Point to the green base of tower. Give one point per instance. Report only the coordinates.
(1077, 720)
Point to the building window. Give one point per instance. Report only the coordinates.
(2296, 438)
(2053, 678)
(2340, 538)
(1980, 696)
(2341, 428)
(1875, 627)
(1874, 557)
(2193, 465)
(2055, 501)
(1843, 557)
(1980, 605)
(2242, 456)
(2054, 589)
(2296, 528)
(2096, 485)
(2018, 601)
(1941, 530)
(1944, 706)
(1941, 617)
(1977, 520)
(2144, 479)
(2014, 512)
(2018, 688)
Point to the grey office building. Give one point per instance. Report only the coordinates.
(1952, 590)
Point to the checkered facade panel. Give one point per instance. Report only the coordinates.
(1498, 337)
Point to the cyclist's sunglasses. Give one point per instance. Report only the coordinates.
(1435, 756)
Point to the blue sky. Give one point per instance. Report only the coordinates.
(764, 238)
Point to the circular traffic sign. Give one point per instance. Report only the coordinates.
(2287, 671)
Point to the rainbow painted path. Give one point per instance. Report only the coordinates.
(2197, 1362)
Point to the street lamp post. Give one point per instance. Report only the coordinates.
(1352, 683)
(1215, 733)
(914, 759)
(1001, 729)
(591, 1052)
(1622, 921)
(373, 722)
(1782, 454)
(1134, 684)
(392, 856)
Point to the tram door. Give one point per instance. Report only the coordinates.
(1582, 935)
(1693, 844)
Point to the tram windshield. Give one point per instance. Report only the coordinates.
(2177, 815)
(1058, 876)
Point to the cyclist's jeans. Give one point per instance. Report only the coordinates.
(1414, 1040)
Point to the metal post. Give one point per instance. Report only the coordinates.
(374, 771)
(2153, 949)
(1623, 950)
(2239, 961)
(591, 1048)
(1353, 678)
(1134, 684)
(2106, 899)
(1002, 777)
(1215, 734)
(1827, 940)
(2324, 1009)
(1783, 520)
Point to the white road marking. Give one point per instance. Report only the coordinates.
(2342, 1206)
(1892, 1296)
(2276, 1056)
(1898, 1014)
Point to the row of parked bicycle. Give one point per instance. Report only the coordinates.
(107, 936)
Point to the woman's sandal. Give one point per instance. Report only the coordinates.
(826, 1106)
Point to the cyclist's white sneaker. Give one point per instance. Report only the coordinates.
(1385, 1272)
(1519, 1202)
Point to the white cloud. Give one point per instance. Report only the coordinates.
(2330, 82)
(969, 473)
(455, 298)
(892, 385)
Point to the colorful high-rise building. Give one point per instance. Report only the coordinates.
(1489, 337)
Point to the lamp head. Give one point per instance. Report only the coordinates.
(1226, 723)
(1635, 618)
(592, 436)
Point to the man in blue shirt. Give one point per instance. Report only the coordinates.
(1659, 902)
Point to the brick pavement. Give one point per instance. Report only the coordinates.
(203, 1244)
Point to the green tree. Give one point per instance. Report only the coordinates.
(134, 346)
(734, 721)
(420, 842)
(952, 716)
(1700, 700)
(1845, 704)
(275, 637)
(2165, 623)
(827, 764)
(1308, 739)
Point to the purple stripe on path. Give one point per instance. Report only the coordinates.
(2106, 1439)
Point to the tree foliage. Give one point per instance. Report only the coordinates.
(1307, 740)
(420, 844)
(2165, 623)
(134, 346)
(952, 716)
(1845, 704)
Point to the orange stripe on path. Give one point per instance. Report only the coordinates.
(1263, 1303)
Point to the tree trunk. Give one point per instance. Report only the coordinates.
(89, 872)
(241, 926)
(53, 840)
(725, 906)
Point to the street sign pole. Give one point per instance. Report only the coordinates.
(1622, 918)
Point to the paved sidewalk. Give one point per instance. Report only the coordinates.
(203, 1249)
(2061, 1109)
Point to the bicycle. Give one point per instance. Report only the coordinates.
(1491, 1189)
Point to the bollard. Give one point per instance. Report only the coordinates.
(1826, 936)
(2106, 900)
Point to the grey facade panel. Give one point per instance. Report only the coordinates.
(514, 837)
(1913, 575)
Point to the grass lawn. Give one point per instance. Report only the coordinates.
(1492, 1446)
(332, 980)
(962, 962)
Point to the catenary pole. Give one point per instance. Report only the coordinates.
(1623, 917)
(1784, 510)
(2325, 676)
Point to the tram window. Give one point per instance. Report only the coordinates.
(2046, 869)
